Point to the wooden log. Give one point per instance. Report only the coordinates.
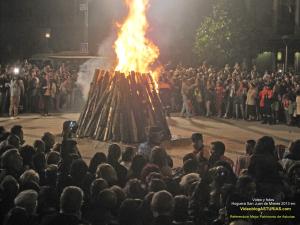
(120, 108)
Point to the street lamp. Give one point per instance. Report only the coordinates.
(47, 35)
(285, 41)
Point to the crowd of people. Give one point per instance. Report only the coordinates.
(49, 183)
(232, 93)
(33, 88)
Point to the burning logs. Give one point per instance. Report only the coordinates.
(120, 108)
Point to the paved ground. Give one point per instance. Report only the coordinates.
(233, 133)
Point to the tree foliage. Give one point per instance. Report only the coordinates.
(227, 35)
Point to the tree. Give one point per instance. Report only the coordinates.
(228, 35)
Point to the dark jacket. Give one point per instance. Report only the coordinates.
(63, 219)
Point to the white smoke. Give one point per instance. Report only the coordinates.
(104, 61)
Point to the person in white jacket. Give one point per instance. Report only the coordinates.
(16, 89)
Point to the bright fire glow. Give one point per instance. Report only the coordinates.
(134, 51)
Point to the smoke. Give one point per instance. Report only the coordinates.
(104, 61)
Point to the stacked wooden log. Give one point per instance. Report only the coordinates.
(120, 108)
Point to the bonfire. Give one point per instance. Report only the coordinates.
(122, 104)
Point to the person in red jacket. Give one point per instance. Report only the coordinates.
(265, 102)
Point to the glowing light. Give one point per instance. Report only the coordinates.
(134, 51)
(16, 70)
(47, 35)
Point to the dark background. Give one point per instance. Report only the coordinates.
(23, 25)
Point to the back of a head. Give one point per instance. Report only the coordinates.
(96, 160)
(295, 149)
(134, 189)
(138, 163)
(28, 200)
(27, 153)
(2, 130)
(29, 176)
(107, 172)
(39, 161)
(188, 180)
(8, 159)
(128, 212)
(181, 203)
(265, 145)
(39, 146)
(47, 199)
(114, 153)
(156, 185)
(17, 130)
(9, 186)
(219, 147)
(159, 157)
(51, 174)
(16, 216)
(196, 137)
(53, 157)
(149, 168)
(162, 203)
(68, 147)
(78, 169)
(97, 186)
(13, 140)
(71, 200)
(250, 146)
(191, 166)
(128, 154)
(120, 194)
(153, 134)
(49, 139)
(106, 199)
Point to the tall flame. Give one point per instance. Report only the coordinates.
(134, 51)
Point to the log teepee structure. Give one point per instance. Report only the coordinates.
(121, 107)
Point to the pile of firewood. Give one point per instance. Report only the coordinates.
(121, 108)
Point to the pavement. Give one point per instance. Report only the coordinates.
(233, 133)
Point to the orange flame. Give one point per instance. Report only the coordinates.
(134, 51)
